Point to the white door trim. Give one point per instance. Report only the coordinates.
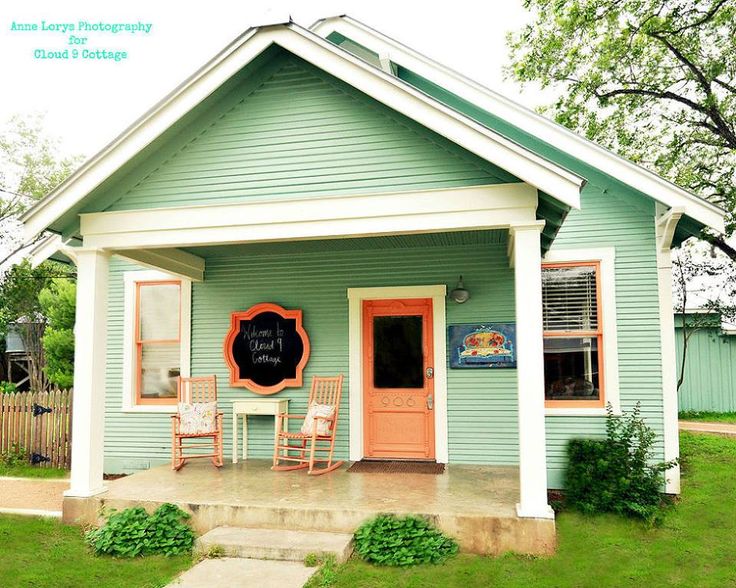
(356, 296)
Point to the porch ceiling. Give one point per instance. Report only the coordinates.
(458, 238)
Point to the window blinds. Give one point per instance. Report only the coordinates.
(569, 298)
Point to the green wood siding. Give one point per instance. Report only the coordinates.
(710, 370)
(612, 215)
(289, 131)
(625, 222)
(481, 403)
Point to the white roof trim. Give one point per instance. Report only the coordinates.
(376, 83)
(629, 173)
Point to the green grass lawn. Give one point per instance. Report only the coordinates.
(43, 553)
(709, 417)
(29, 471)
(695, 546)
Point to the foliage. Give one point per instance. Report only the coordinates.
(694, 546)
(390, 540)
(133, 532)
(13, 457)
(45, 553)
(653, 80)
(326, 576)
(617, 474)
(8, 388)
(708, 417)
(58, 302)
(32, 167)
(19, 303)
(705, 281)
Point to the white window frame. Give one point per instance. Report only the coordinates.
(130, 280)
(606, 256)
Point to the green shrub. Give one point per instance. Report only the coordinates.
(8, 388)
(617, 474)
(402, 541)
(14, 456)
(133, 532)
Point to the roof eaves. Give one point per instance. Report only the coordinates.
(701, 209)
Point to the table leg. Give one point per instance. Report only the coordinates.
(245, 437)
(235, 437)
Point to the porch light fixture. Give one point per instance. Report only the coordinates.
(460, 294)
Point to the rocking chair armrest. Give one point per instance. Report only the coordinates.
(291, 416)
(324, 418)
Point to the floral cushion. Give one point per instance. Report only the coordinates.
(321, 410)
(197, 418)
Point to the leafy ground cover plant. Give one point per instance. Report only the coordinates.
(133, 532)
(617, 474)
(390, 540)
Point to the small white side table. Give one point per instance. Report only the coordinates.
(246, 406)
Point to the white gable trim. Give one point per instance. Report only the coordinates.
(527, 120)
(374, 82)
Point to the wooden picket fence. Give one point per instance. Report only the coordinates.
(40, 423)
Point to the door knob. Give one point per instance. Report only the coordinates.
(430, 373)
(430, 402)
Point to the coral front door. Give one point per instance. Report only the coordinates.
(398, 379)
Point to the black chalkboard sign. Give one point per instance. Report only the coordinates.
(266, 348)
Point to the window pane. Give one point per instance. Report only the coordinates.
(159, 312)
(159, 369)
(397, 352)
(569, 298)
(571, 368)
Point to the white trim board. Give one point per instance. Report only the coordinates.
(356, 296)
(129, 281)
(607, 258)
(453, 209)
(527, 120)
(376, 83)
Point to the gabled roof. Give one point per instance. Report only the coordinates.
(550, 178)
(388, 50)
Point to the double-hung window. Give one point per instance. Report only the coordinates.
(573, 335)
(157, 341)
(157, 314)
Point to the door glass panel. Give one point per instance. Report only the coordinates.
(397, 352)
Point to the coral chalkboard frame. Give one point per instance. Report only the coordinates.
(236, 377)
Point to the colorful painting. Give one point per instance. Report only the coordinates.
(485, 345)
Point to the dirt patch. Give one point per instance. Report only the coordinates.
(32, 494)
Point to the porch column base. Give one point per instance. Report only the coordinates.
(84, 492)
(542, 511)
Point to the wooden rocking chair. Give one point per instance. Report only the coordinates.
(324, 397)
(192, 391)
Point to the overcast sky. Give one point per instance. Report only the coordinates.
(89, 102)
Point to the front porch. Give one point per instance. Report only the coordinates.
(474, 504)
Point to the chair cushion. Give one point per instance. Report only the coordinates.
(321, 410)
(197, 418)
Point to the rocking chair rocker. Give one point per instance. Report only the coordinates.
(197, 418)
(317, 433)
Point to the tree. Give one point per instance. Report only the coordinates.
(703, 282)
(31, 166)
(19, 305)
(58, 302)
(653, 80)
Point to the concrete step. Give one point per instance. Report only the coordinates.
(275, 544)
(225, 571)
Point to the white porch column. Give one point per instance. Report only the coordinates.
(665, 229)
(527, 260)
(90, 335)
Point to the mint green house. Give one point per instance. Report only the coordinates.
(325, 169)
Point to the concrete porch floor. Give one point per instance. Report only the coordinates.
(474, 504)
